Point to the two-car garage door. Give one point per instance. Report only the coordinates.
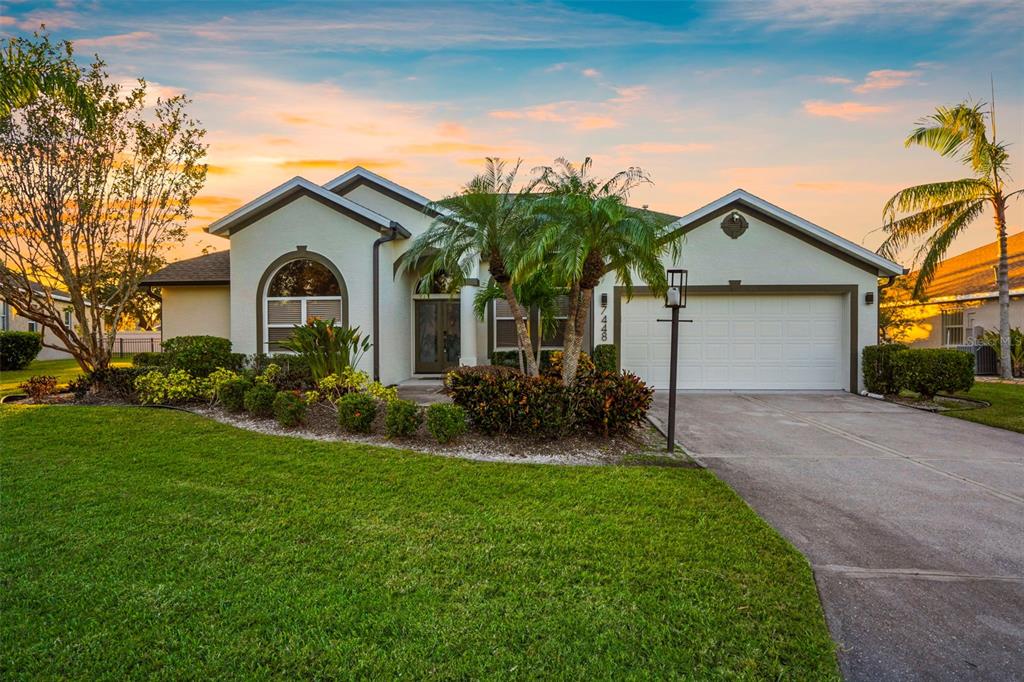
(739, 341)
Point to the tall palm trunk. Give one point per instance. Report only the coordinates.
(1003, 282)
(571, 343)
(522, 331)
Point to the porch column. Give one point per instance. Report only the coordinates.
(467, 322)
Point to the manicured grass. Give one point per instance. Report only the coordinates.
(1007, 410)
(141, 543)
(64, 370)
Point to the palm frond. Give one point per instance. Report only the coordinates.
(935, 248)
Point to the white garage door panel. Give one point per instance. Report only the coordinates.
(739, 342)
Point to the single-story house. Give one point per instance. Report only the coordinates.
(962, 300)
(11, 320)
(777, 302)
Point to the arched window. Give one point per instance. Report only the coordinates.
(300, 290)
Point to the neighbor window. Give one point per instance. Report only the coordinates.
(33, 326)
(554, 336)
(953, 328)
(5, 314)
(68, 320)
(299, 291)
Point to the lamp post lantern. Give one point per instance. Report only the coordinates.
(675, 299)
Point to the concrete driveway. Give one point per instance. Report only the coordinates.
(913, 522)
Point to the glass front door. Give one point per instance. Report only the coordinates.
(437, 335)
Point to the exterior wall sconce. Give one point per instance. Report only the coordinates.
(869, 298)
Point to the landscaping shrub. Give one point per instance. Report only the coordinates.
(356, 412)
(79, 386)
(117, 382)
(610, 403)
(991, 338)
(877, 368)
(294, 374)
(402, 419)
(200, 355)
(177, 386)
(289, 409)
(554, 368)
(545, 409)
(928, 371)
(498, 400)
(446, 421)
(38, 387)
(150, 360)
(490, 395)
(18, 349)
(231, 394)
(327, 349)
(606, 358)
(259, 399)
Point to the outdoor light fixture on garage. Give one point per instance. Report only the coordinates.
(675, 298)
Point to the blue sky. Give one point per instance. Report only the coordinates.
(802, 102)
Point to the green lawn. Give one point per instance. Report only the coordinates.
(1007, 410)
(139, 543)
(64, 370)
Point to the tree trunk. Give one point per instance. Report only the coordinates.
(522, 331)
(1003, 281)
(579, 308)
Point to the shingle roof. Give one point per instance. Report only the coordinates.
(213, 268)
(973, 273)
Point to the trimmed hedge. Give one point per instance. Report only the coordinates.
(231, 394)
(877, 368)
(259, 400)
(402, 419)
(18, 349)
(500, 401)
(200, 355)
(446, 422)
(606, 357)
(928, 371)
(148, 359)
(294, 373)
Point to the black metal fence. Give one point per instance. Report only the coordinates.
(124, 348)
(984, 358)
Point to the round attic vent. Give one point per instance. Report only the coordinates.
(734, 225)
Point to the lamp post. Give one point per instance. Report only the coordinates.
(675, 298)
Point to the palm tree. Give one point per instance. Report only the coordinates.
(587, 232)
(488, 220)
(935, 214)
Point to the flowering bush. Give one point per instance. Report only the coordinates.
(177, 386)
(356, 412)
(289, 409)
(38, 387)
(218, 378)
(350, 380)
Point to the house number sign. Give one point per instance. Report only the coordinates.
(604, 318)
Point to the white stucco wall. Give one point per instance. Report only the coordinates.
(17, 323)
(195, 310)
(763, 255)
(984, 314)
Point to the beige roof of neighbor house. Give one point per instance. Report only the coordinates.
(973, 275)
(213, 268)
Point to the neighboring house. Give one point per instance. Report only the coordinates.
(10, 320)
(786, 304)
(962, 300)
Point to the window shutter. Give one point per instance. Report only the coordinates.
(324, 310)
(285, 312)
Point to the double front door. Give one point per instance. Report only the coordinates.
(437, 335)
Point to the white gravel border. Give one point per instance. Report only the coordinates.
(502, 450)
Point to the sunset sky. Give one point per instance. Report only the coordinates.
(802, 102)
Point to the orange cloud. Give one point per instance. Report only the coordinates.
(449, 147)
(558, 112)
(213, 169)
(847, 111)
(119, 40)
(296, 120)
(885, 79)
(451, 129)
(342, 164)
(216, 204)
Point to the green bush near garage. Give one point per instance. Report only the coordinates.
(928, 371)
(878, 368)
